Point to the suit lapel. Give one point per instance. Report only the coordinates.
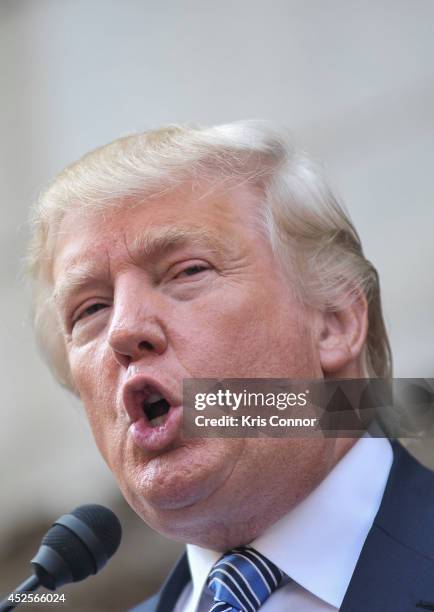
(165, 600)
(174, 585)
(395, 570)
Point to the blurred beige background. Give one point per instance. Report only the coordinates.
(353, 80)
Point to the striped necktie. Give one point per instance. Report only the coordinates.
(242, 580)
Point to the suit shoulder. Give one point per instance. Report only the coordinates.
(407, 508)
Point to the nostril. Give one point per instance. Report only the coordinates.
(145, 346)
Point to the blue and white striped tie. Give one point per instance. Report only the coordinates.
(242, 580)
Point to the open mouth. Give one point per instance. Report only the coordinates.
(155, 413)
(156, 409)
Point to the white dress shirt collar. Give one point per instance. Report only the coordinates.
(319, 542)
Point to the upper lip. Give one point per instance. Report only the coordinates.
(138, 389)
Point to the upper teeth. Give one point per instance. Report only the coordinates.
(154, 397)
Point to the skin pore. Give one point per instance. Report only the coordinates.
(186, 285)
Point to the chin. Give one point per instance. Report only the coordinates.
(177, 516)
(176, 488)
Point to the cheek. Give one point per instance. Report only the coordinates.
(242, 334)
(95, 377)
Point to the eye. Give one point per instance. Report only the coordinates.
(88, 311)
(192, 270)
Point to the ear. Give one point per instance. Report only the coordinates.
(341, 338)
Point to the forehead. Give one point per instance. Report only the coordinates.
(152, 224)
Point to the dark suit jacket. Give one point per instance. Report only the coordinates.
(395, 570)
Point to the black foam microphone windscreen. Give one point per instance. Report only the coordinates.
(77, 545)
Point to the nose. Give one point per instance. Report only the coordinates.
(136, 329)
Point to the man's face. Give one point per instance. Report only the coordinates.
(184, 286)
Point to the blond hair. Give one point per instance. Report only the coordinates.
(308, 228)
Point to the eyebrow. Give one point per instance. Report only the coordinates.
(79, 277)
(163, 240)
(146, 245)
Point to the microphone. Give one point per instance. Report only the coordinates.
(76, 545)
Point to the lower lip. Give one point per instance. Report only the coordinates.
(159, 437)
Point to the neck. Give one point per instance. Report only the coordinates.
(260, 512)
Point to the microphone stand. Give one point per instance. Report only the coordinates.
(31, 584)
